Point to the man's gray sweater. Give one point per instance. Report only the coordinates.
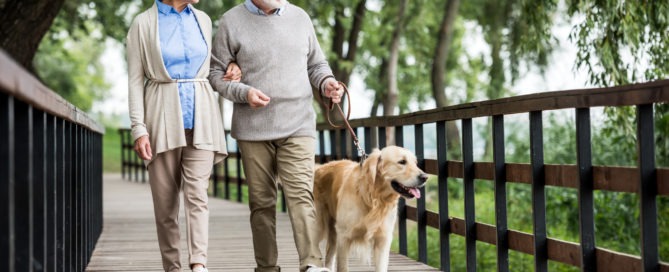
(280, 56)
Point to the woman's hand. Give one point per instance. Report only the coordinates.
(143, 147)
(233, 73)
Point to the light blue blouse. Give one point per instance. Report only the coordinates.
(184, 50)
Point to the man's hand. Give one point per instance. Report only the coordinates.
(143, 147)
(233, 73)
(256, 98)
(333, 90)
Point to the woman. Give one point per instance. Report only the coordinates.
(176, 122)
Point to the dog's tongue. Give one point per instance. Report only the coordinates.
(415, 192)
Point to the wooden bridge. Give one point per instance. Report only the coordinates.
(129, 241)
(59, 213)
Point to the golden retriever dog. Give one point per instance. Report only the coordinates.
(356, 205)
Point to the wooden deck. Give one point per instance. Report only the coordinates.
(129, 242)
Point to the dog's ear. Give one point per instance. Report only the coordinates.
(372, 164)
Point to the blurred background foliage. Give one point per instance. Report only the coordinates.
(413, 55)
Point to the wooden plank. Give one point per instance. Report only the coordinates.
(129, 241)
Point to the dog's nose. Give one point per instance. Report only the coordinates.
(423, 178)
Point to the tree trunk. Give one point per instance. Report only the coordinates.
(344, 60)
(497, 79)
(391, 97)
(22, 26)
(441, 53)
(439, 69)
(498, 15)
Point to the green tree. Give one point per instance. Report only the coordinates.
(70, 66)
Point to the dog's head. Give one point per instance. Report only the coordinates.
(395, 169)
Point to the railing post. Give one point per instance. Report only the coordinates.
(214, 179)
(585, 190)
(342, 143)
(401, 205)
(24, 179)
(7, 183)
(226, 179)
(647, 188)
(60, 196)
(121, 133)
(39, 191)
(368, 140)
(51, 181)
(500, 193)
(333, 145)
(382, 137)
(321, 146)
(239, 176)
(538, 192)
(421, 209)
(69, 177)
(74, 232)
(468, 182)
(444, 221)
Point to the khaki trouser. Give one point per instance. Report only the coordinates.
(186, 169)
(292, 161)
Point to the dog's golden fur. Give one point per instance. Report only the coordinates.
(356, 205)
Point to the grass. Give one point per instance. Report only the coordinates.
(111, 151)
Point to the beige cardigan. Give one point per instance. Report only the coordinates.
(153, 96)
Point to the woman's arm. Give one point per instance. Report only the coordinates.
(136, 93)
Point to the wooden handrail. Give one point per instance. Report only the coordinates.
(627, 95)
(19, 83)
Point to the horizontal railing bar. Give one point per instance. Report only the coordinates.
(626, 95)
(558, 250)
(19, 83)
(608, 178)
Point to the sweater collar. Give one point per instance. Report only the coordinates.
(251, 7)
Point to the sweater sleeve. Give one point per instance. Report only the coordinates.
(317, 65)
(135, 82)
(223, 54)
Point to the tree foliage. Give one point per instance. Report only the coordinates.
(621, 41)
(70, 66)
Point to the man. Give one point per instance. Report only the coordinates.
(273, 120)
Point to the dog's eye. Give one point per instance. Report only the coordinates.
(402, 162)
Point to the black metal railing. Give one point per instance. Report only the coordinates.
(645, 180)
(50, 177)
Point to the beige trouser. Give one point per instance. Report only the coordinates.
(186, 169)
(292, 161)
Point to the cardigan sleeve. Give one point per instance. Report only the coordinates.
(135, 81)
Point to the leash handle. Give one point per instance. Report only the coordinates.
(330, 107)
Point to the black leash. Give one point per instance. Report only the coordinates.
(361, 152)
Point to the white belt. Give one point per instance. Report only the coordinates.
(179, 80)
